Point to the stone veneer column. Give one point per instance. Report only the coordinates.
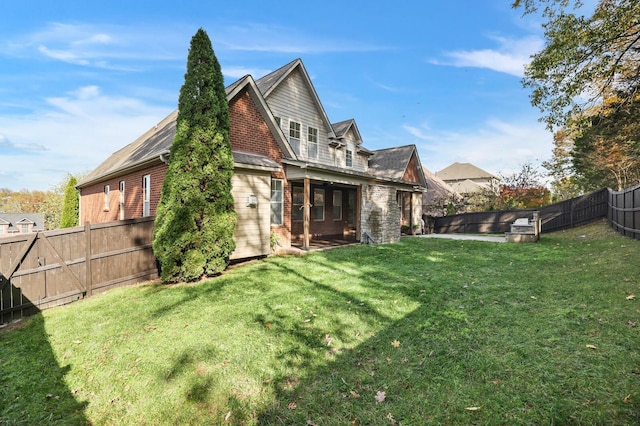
(380, 214)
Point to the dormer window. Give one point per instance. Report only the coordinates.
(294, 136)
(25, 226)
(349, 158)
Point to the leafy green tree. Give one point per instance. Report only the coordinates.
(586, 58)
(70, 205)
(606, 149)
(564, 184)
(195, 220)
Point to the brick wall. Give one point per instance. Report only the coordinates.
(380, 214)
(248, 133)
(92, 199)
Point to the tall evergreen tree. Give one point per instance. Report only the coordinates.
(70, 204)
(195, 219)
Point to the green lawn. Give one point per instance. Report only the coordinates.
(425, 331)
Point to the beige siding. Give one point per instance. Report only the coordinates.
(254, 224)
(292, 101)
(359, 162)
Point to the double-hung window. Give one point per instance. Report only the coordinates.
(121, 200)
(312, 143)
(105, 202)
(146, 195)
(294, 136)
(276, 201)
(348, 158)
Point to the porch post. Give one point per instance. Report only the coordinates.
(306, 213)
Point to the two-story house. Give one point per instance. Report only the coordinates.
(297, 176)
(466, 178)
(20, 223)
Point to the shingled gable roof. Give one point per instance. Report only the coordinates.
(16, 219)
(462, 171)
(437, 187)
(392, 163)
(156, 142)
(271, 81)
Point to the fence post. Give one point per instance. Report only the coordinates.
(88, 270)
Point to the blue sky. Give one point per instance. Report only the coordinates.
(80, 80)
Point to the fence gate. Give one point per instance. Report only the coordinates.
(51, 268)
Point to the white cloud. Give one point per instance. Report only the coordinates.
(498, 147)
(100, 46)
(510, 57)
(239, 72)
(253, 37)
(75, 133)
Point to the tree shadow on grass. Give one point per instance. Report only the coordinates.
(32, 385)
(430, 366)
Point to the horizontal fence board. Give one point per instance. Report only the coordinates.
(39, 271)
(622, 209)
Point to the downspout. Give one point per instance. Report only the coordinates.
(164, 157)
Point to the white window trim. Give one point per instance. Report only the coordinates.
(107, 198)
(348, 158)
(292, 137)
(122, 186)
(146, 195)
(310, 142)
(276, 202)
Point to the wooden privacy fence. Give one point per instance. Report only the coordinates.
(51, 268)
(624, 211)
(563, 215)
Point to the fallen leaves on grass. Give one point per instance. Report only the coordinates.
(472, 408)
(328, 339)
(631, 297)
(592, 346)
(395, 343)
(391, 419)
(627, 399)
(380, 396)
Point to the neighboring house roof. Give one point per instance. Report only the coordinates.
(463, 171)
(15, 219)
(393, 162)
(438, 189)
(467, 186)
(156, 142)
